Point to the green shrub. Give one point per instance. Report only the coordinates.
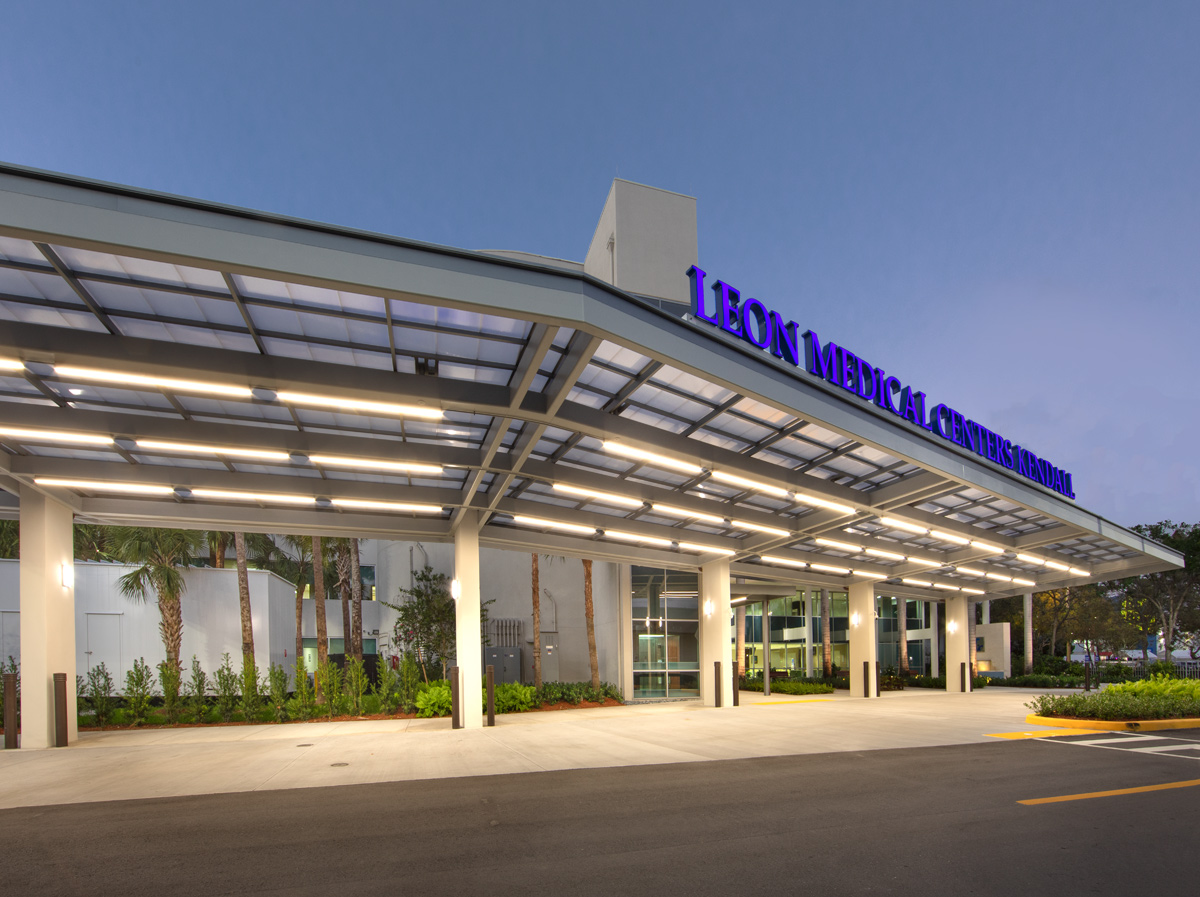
(513, 697)
(139, 685)
(197, 691)
(329, 681)
(1161, 668)
(356, 684)
(1040, 680)
(1155, 700)
(227, 686)
(169, 680)
(926, 682)
(304, 702)
(278, 682)
(410, 682)
(251, 689)
(1160, 685)
(371, 705)
(11, 667)
(790, 687)
(1115, 672)
(99, 690)
(434, 699)
(387, 686)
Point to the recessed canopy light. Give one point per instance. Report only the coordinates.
(98, 486)
(684, 512)
(772, 559)
(949, 537)
(405, 507)
(341, 403)
(232, 451)
(542, 523)
(592, 494)
(703, 549)
(374, 464)
(628, 451)
(840, 546)
(903, 524)
(170, 384)
(730, 479)
(265, 497)
(55, 436)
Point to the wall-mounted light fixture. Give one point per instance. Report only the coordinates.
(855, 619)
(66, 573)
(455, 589)
(708, 607)
(951, 626)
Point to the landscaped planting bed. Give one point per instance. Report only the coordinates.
(1158, 698)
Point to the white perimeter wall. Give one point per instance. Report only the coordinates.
(117, 630)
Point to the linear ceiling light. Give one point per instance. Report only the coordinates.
(949, 537)
(822, 503)
(1031, 559)
(635, 537)
(826, 568)
(840, 546)
(925, 562)
(619, 448)
(948, 588)
(704, 549)
(404, 507)
(341, 403)
(997, 576)
(880, 553)
(11, 364)
(55, 436)
(1055, 565)
(1079, 572)
(972, 591)
(970, 571)
(373, 464)
(171, 384)
(984, 546)
(266, 497)
(684, 512)
(232, 451)
(731, 479)
(542, 523)
(97, 486)
(1024, 582)
(623, 500)
(788, 562)
(901, 524)
(917, 582)
(759, 528)
(870, 574)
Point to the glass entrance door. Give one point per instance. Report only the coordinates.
(666, 623)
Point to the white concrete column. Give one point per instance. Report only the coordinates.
(935, 640)
(716, 641)
(864, 647)
(468, 634)
(957, 646)
(625, 622)
(1028, 632)
(985, 612)
(47, 616)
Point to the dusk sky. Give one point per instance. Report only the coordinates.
(999, 203)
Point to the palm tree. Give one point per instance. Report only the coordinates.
(160, 555)
(902, 633)
(318, 562)
(356, 595)
(537, 625)
(243, 578)
(591, 623)
(341, 561)
(218, 544)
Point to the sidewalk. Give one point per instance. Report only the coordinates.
(122, 765)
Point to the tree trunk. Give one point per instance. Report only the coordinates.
(342, 562)
(319, 597)
(588, 613)
(243, 578)
(300, 615)
(171, 627)
(537, 625)
(356, 596)
(826, 635)
(222, 547)
(902, 633)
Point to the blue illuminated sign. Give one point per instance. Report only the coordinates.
(765, 329)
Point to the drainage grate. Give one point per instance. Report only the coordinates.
(304, 745)
(339, 764)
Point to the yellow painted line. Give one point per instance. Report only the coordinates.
(1145, 725)
(1044, 733)
(1190, 783)
(801, 701)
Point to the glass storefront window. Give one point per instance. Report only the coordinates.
(666, 633)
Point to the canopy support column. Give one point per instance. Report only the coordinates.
(716, 641)
(864, 647)
(468, 634)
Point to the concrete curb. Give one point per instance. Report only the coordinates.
(1147, 725)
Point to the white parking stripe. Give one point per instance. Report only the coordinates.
(1167, 747)
(1123, 738)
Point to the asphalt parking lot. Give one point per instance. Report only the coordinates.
(936, 820)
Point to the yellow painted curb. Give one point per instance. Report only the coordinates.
(1146, 725)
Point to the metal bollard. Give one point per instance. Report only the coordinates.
(491, 694)
(962, 676)
(866, 678)
(717, 702)
(455, 702)
(736, 684)
(878, 680)
(10, 711)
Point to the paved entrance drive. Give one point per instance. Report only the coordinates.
(171, 762)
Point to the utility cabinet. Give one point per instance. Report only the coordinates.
(507, 663)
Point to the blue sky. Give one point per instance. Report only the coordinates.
(998, 202)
